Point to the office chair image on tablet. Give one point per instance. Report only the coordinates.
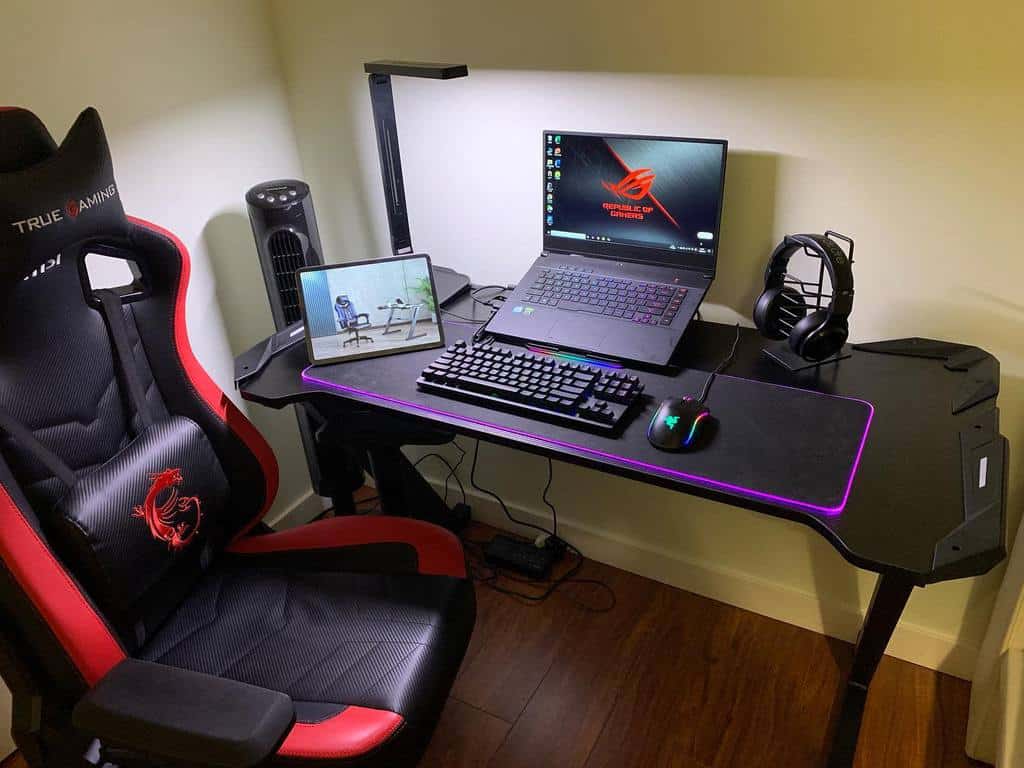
(351, 321)
(400, 306)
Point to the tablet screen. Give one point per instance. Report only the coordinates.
(369, 308)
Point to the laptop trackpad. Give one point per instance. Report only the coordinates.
(636, 341)
(579, 330)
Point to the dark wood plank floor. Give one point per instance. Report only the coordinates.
(668, 679)
(671, 679)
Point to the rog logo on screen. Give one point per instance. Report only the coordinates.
(635, 185)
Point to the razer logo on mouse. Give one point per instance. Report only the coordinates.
(671, 421)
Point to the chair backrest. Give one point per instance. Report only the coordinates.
(124, 468)
(345, 311)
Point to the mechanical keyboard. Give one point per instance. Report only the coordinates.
(570, 393)
(577, 288)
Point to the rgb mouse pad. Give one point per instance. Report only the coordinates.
(777, 444)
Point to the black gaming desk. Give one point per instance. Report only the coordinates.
(919, 497)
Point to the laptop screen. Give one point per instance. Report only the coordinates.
(636, 198)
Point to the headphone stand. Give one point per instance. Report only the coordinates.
(796, 309)
(780, 352)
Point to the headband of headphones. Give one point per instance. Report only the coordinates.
(836, 263)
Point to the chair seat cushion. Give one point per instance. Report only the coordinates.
(363, 655)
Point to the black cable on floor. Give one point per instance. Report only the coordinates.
(487, 575)
(550, 586)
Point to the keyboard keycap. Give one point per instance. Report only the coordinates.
(486, 385)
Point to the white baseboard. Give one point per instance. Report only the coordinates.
(6, 741)
(910, 642)
(1011, 716)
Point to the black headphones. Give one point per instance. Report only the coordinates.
(781, 310)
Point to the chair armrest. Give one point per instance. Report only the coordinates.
(174, 714)
(363, 314)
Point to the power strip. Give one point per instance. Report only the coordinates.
(523, 556)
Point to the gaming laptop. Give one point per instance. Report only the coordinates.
(631, 226)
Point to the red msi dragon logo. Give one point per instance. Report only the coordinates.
(163, 517)
(635, 185)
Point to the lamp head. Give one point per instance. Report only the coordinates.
(431, 70)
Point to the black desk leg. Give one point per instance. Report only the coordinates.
(887, 603)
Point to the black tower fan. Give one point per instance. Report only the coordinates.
(287, 239)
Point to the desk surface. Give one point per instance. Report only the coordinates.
(927, 499)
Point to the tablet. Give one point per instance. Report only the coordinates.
(369, 308)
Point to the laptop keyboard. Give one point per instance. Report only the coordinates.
(567, 286)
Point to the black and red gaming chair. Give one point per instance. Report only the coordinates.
(145, 618)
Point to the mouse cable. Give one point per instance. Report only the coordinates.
(721, 367)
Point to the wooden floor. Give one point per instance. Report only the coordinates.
(670, 679)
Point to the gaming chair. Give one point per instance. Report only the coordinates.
(350, 320)
(146, 618)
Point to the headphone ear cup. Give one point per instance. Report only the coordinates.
(768, 309)
(814, 338)
(762, 309)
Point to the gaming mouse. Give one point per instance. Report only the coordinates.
(676, 425)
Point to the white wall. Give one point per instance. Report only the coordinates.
(899, 126)
(195, 110)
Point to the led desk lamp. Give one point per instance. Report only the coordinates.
(449, 283)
